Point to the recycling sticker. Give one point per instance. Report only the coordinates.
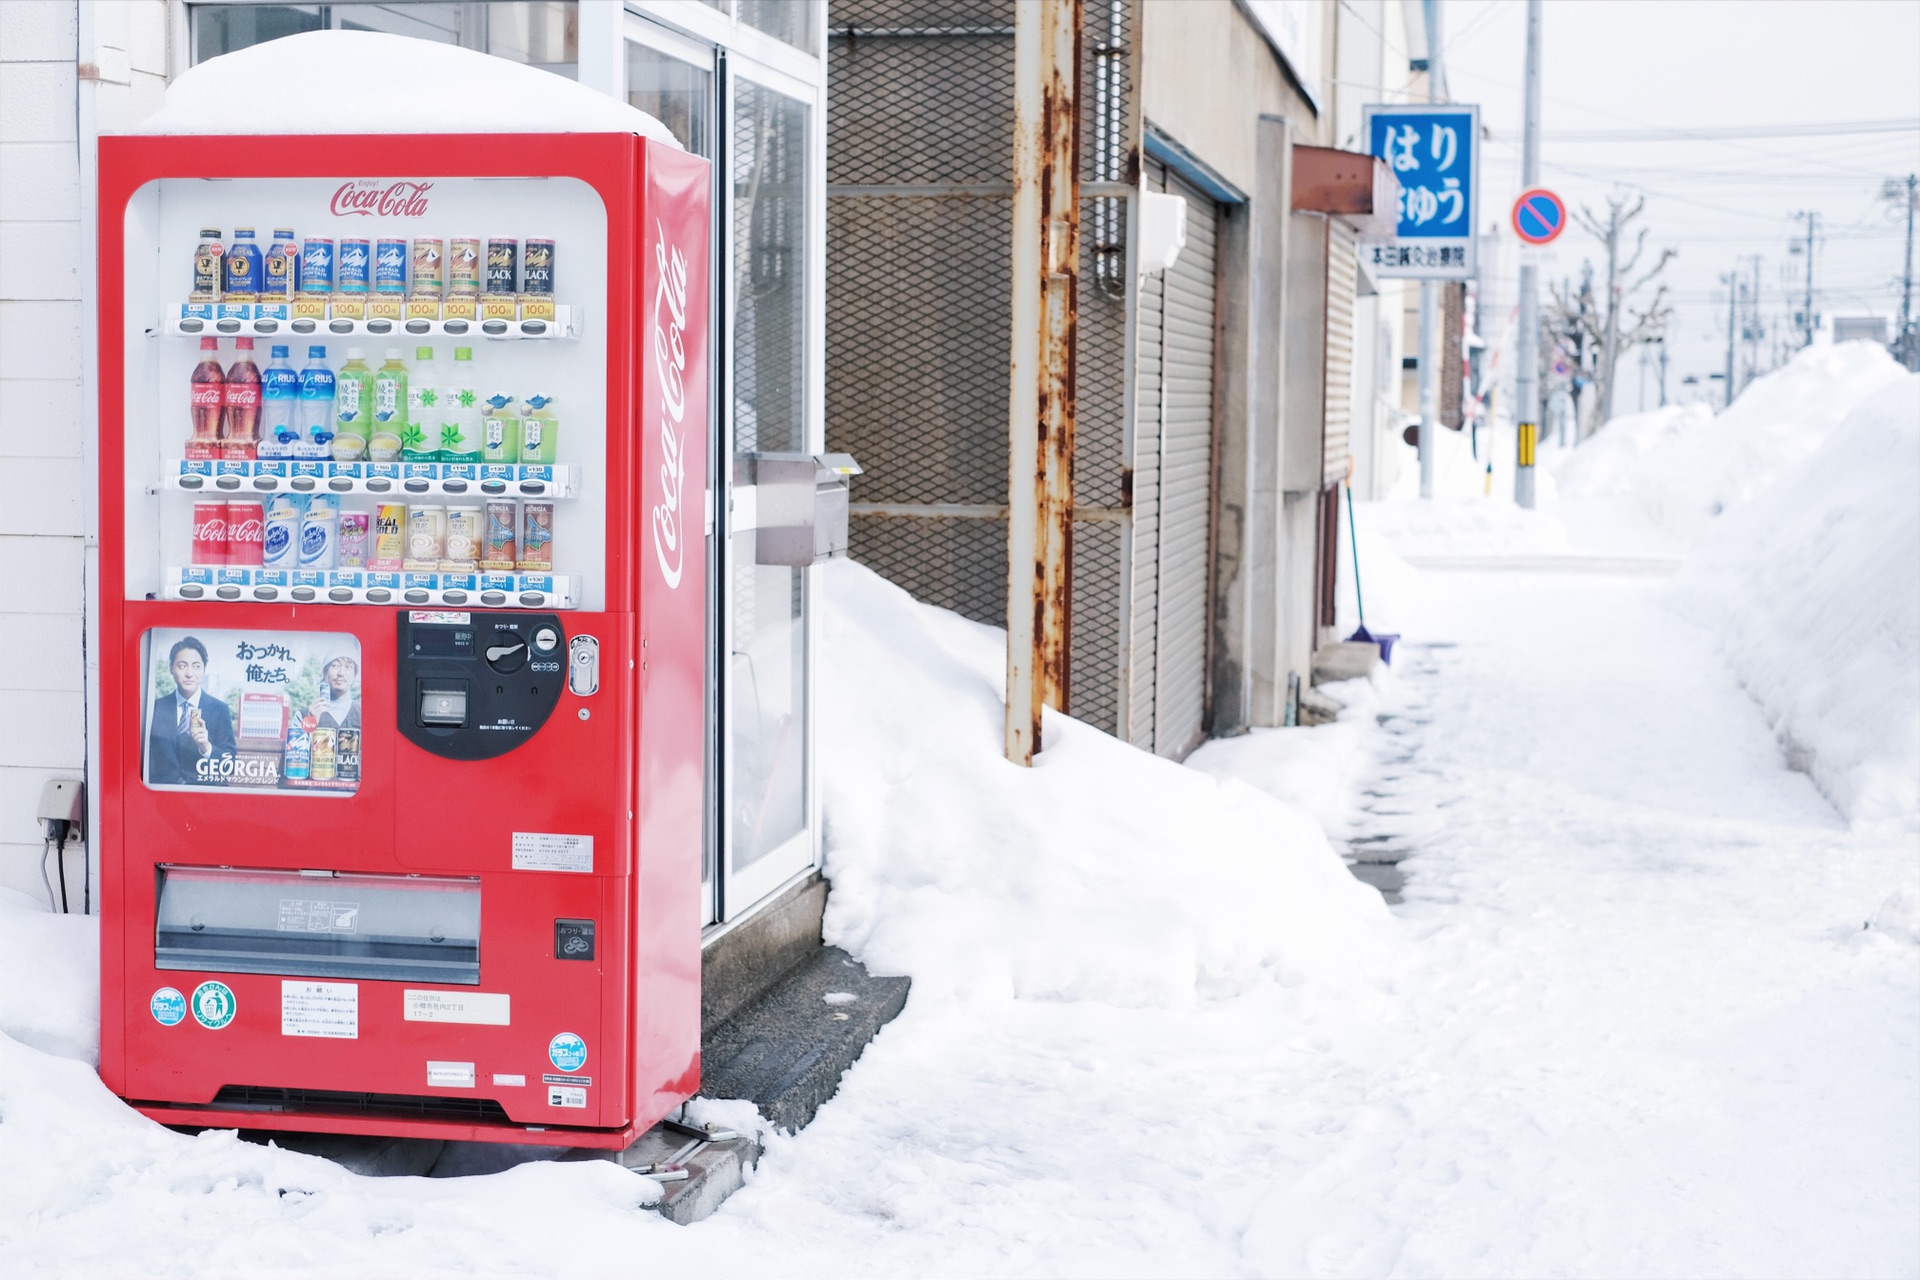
(169, 1007)
(567, 1051)
(214, 1005)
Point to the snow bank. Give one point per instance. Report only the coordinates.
(1102, 874)
(367, 82)
(1686, 468)
(49, 979)
(1814, 589)
(1315, 768)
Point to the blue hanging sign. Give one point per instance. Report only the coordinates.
(1434, 150)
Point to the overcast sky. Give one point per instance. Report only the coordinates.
(1662, 67)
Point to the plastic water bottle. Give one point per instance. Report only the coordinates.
(460, 411)
(420, 438)
(279, 407)
(316, 407)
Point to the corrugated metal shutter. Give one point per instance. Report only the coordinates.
(1144, 555)
(1342, 280)
(1184, 581)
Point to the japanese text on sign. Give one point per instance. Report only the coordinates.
(1434, 153)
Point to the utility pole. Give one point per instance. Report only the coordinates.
(1430, 299)
(1526, 405)
(1754, 325)
(1040, 411)
(1662, 342)
(1909, 337)
(1812, 220)
(1732, 281)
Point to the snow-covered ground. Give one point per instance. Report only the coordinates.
(1651, 1004)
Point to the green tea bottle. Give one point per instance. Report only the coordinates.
(540, 432)
(500, 431)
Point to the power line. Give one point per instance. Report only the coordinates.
(1722, 133)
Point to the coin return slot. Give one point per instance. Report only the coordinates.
(443, 706)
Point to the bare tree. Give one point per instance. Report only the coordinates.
(1572, 325)
(1613, 324)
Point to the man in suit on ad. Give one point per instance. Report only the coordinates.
(187, 727)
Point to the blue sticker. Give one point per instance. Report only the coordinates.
(567, 1051)
(214, 1005)
(169, 1007)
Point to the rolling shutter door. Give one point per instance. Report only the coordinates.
(1342, 277)
(1185, 483)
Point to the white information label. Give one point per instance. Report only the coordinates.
(501, 1081)
(450, 1075)
(565, 1097)
(482, 1008)
(330, 1010)
(544, 851)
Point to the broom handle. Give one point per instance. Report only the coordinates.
(1353, 537)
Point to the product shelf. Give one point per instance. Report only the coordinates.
(374, 587)
(382, 479)
(249, 320)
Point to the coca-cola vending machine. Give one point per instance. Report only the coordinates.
(403, 466)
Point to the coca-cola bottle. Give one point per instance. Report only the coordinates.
(208, 388)
(242, 439)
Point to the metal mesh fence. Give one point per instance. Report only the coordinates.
(919, 171)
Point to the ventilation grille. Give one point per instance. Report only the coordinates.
(403, 1106)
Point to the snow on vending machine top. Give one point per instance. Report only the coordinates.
(403, 631)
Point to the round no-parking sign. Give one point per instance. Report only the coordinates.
(1539, 216)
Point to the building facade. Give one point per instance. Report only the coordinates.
(864, 307)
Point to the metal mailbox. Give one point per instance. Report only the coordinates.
(801, 505)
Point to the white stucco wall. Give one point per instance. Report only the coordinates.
(67, 71)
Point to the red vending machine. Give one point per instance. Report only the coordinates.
(403, 469)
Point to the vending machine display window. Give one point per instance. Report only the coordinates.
(366, 391)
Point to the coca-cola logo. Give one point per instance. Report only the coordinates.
(210, 529)
(368, 197)
(670, 363)
(250, 530)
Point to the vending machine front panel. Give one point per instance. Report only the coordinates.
(401, 803)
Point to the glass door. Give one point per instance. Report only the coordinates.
(759, 128)
(768, 686)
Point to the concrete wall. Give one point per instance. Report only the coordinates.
(67, 71)
(1212, 82)
(1207, 77)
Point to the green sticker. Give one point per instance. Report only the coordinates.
(213, 1005)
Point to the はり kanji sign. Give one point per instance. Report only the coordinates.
(1434, 151)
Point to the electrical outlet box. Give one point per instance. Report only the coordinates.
(63, 800)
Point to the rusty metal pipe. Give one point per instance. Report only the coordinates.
(1046, 270)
